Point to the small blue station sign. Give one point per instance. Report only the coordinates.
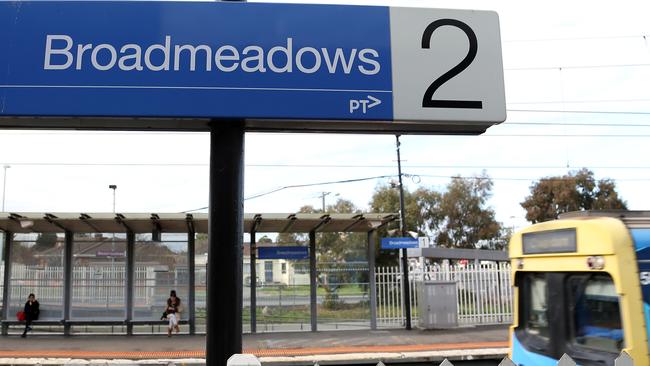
(399, 243)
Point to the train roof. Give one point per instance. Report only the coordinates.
(632, 219)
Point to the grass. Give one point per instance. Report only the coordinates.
(301, 313)
(303, 290)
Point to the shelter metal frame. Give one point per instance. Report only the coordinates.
(156, 224)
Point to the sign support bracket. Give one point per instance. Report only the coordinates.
(224, 277)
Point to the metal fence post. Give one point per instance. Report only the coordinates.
(372, 281)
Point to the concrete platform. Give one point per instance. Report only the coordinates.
(304, 348)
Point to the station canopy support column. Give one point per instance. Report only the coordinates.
(67, 281)
(6, 253)
(130, 279)
(372, 281)
(313, 284)
(191, 265)
(253, 273)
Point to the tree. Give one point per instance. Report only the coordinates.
(465, 220)
(45, 241)
(334, 251)
(284, 239)
(575, 191)
(338, 247)
(457, 218)
(417, 204)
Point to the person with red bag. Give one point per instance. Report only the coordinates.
(31, 312)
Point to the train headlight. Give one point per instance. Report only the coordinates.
(596, 262)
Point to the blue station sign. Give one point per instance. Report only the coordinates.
(253, 61)
(293, 252)
(399, 243)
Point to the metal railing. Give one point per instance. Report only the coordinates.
(484, 293)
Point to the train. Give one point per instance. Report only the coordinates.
(582, 288)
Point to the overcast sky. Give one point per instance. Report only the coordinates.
(576, 73)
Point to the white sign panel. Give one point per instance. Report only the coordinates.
(446, 65)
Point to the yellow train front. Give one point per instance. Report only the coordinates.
(582, 287)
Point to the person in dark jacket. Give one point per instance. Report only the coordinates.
(31, 313)
(173, 312)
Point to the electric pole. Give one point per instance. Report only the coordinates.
(402, 228)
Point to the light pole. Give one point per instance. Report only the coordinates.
(4, 186)
(402, 228)
(114, 188)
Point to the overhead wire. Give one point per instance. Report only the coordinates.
(353, 180)
(357, 166)
(419, 176)
(563, 39)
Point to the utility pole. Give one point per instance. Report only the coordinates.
(402, 228)
(323, 194)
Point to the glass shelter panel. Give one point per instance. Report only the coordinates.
(37, 268)
(282, 295)
(343, 281)
(246, 289)
(99, 277)
(200, 281)
(160, 267)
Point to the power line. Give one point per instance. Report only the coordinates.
(353, 180)
(319, 184)
(526, 179)
(562, 39)
(578, 112)
(587, 124)
(353, 166)
(110, 164)
(567, 135)
(574, 67)
(583, 101)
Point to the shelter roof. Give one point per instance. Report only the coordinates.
(180, 222)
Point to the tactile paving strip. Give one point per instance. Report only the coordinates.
(277, 352)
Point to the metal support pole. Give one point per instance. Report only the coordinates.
(224, 277)
(313, 286)
(7, 273)
(191, 266)
(156, 235)
(253, 284)
(4, 186)
(130, 279)
(67, 281)
(372, 281)
(402, 227)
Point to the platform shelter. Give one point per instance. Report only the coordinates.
(90, 272)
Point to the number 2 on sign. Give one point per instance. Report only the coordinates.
(427, 100)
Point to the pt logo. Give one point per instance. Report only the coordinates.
(363, 105)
